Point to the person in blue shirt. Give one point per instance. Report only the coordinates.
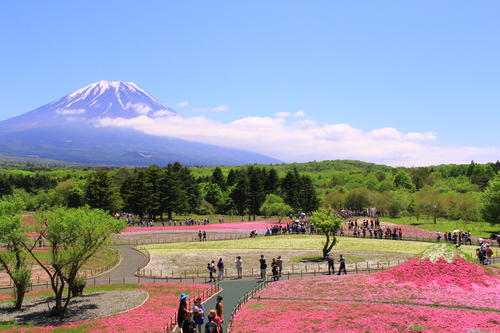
(198, 314)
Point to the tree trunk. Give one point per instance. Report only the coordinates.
(325, 247)
(20, 291)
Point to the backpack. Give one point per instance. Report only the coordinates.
(211, 327)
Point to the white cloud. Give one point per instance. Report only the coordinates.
(220, 108)
(182, 104)
(70, 111)
(162, 113)
(139, 108)
(299, 113)
(282, 114)
(306, 140)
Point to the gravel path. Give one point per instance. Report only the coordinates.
(88, 306)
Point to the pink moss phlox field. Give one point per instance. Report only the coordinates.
(457, 284)
(236, 227)
(263, 316)
(150, 317)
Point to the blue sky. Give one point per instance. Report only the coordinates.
(421, 66)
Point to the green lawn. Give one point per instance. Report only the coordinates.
(478, 229)
(288, 242)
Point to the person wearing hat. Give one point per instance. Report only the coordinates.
(184, 315)
(219, 308)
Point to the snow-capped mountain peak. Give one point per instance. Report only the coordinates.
(102, 99)
(111, 99)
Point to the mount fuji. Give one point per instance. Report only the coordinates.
(66, 130)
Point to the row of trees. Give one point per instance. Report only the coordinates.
(470, 206)
(74, 235)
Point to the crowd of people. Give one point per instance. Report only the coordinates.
(484, 253)
(219, 268)
(192, 319)
(371, 228)
(457, 237)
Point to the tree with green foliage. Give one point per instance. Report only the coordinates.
(74, 236)
(232, 178)
(13, 259)
(272, 182)
(212, 193)
(240, 194)
(218, 178)
(5, 188)
(327, 223)
(308, 199)
(431, 203)
(290, 187)
(256, 194)
(403, 180)
(98, 191)
(357, 199)
(334, 200)
(133, 193)
(274, 205)
(490, 201)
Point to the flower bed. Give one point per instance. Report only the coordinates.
(318, 316)
(150, 317)
(219, 227)
(458, 283)
(438, 292)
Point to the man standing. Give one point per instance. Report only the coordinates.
(263, 267)
(342, 265)
(331, 267)
(220, 267)
(204, 235)
(199, 235)
(279, 262)
(438, 236)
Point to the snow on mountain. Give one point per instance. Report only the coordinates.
(66, 130)
(110, 99)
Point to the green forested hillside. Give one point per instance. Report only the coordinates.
(454, 192)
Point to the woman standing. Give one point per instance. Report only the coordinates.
(239, 267)
(184, 315)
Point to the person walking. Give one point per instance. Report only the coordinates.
(220, 267)
(342, 265)
(438, 236)
(274, 270)
(198, 314)
(219, 309)
(200, 235)
(211, 270)
(279, 262)
(263, 267)
(330, 260)
(204, 235)
(239, 267)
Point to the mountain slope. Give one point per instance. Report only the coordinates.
(65, 130)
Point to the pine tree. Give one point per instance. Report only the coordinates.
(218, 178)
(272, 182)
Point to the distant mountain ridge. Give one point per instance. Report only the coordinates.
(65, 130)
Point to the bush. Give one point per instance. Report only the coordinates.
(78, 286)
